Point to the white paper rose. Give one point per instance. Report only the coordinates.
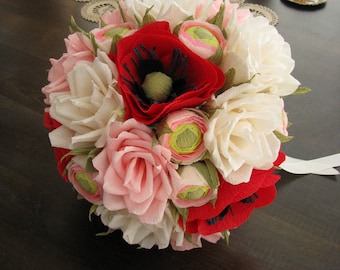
(135, 232)
(90, 105)
(240, 133)
(173, 11)
(258, 46)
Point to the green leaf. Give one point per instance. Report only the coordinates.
(184, 212)
(90, 156)
(302, 90)
(121, 10)
(217, 57)
(94, 44)
(226, 236)
(213, 179)
(219, 17)
(105, 233)
(92, 210)
(75, 28)
(283, 138)
(147, 18)
(163, 128)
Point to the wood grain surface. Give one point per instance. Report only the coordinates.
(43, 226)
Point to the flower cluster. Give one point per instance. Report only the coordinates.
(168, 118)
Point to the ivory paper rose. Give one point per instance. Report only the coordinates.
(135, 232)
(240, 133)
(136, 175)
(265, 54)
(88, 107)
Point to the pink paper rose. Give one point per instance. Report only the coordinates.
(78, 47)
(136, 174)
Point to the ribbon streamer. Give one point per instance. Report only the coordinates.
(321, 166)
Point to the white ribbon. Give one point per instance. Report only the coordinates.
(322, 166)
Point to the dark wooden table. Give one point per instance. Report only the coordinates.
(43, 226)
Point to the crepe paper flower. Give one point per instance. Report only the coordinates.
(153, 53)
(172, 11)
(198, 185)
(84, 182)
(204, 39)
(136, 175)
(107, 37)
(182, 133)
(181, 241)
(267, 55)
(168, 117)
(234, 203)
(240, 133)
(86, 110)
(137, 233)
(79, 47)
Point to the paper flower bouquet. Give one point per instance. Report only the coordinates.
(169, 117)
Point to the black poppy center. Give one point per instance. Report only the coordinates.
(151, 81)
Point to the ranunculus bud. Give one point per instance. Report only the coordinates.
(198, 185)
(84, 182)
(204, 39)
(107, 37)
(182, 133)
(157, 86)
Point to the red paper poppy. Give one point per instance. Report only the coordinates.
(59, 153)
(154, 48)
(234, 203)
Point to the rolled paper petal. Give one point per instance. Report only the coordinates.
(197, 186)
(108, 36)
(203, 38)
(85, 183)
(182, 133)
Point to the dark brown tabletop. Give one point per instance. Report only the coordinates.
(43, 226)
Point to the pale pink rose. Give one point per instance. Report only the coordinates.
(136, 174)
(84, 182)
(185, 135)
(79, 48)
(105, 36)
(202, 38)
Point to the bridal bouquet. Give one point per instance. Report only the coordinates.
(169, 117)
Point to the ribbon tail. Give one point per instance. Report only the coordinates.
(321, 166)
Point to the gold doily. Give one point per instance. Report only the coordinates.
(259, 10)
(94, 9)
